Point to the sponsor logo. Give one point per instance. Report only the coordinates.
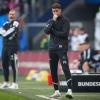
(88, 84)
(63, 83)
(64, 62)
(60, 46)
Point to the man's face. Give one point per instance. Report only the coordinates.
(56, 11)
(12, 15)
(76, 32)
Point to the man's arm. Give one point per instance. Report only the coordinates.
(64, 32)
(4, 28)
(12, 29)
(48, 28)
(2, 31)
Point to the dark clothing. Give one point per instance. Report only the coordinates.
(9, 59)
(55, 56)
(10, 45)
(87, 56)
(11, 40)
(59, 31)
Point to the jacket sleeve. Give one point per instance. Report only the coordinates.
(6, 25)
(2, 31)
(65, 30)
(12, 29)
(4, 28)
(48, 29)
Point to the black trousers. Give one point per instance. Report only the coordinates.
(9, 58)
(54, 57)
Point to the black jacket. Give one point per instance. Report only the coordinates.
(11, 40)
(58, 31)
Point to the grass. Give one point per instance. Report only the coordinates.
(10, 96)
(28, 90)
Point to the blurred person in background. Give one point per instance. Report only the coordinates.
(74, 39)
(79, 36)
(83, 39)
(12, 4)
(74, 66)
(44, 42)
(83, 36)
(87, 59)
(58, 28)
(97, 30)
(9, 32)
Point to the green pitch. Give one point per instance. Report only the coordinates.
(31, 90)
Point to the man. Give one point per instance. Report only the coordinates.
(58, 29)
(9, 31)
(87, 58)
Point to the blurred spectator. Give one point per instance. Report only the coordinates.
(44, 42)
(74, 66)
(75, 39)
(83, 38)
(88, 60)
(12, 4)
(78, 37)
(97, 31)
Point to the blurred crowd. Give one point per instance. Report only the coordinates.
(36, 7)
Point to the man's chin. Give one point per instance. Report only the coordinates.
(11, 19)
